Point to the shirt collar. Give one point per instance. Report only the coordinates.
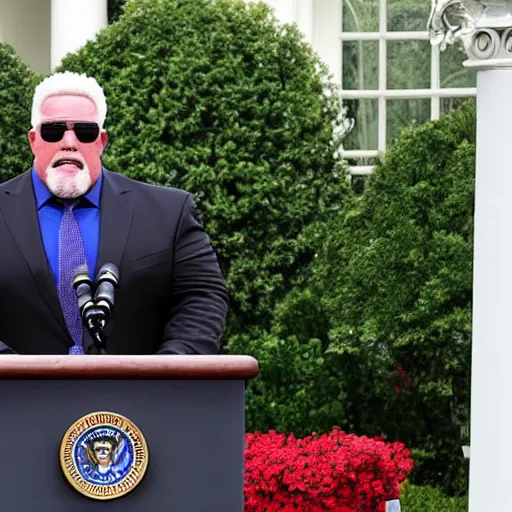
(43, 195)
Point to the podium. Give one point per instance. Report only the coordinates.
(186, 415)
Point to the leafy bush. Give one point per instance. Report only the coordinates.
(333, 471)
(408, 295)
(392, 287)
(289, 394)
(213, 96)
(428, 499)
(17, 84)
(115, 9)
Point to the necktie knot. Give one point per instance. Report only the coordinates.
(68, 205)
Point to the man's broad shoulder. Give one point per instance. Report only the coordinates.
(17, 183)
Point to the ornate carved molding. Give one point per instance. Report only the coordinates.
(483, 26)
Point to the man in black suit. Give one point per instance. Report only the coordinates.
(68, 212)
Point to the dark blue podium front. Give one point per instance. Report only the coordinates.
(190, 410)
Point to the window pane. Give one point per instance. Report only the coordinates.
(409, 64)
(448, 104)
(453, 73)
(358, 184)
(364, 135)
(360, 65)
(405, 15)
(402, 113)
(360, 16)
(362, 162)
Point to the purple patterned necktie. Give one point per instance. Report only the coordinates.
(71, 257)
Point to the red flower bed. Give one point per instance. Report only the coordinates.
(331, 472)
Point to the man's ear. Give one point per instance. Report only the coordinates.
(31, 134)
(104, 140)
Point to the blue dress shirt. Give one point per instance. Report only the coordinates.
(87, 214)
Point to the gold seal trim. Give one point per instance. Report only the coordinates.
(88, 425)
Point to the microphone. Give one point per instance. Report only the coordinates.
(96, 311)
(93, 318)
(83, 289)
(107, 282)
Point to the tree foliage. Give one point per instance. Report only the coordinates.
(115, 9)
(406, 302)
(17, 83)
(216, 98)
(391, 292)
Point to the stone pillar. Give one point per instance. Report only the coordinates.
(484, 28)
(73, 23)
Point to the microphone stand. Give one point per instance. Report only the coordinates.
(97, 311)
(104, 298)
(95, 322)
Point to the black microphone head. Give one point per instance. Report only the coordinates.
(109, 272)
(81, 276)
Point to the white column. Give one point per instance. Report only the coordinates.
(25, 25)
(490, 478)
(305, 18)
(487, 39)
(73, 23)
(326, 40)
(491, 390)
(283, 9)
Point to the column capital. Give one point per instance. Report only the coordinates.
(483, 26)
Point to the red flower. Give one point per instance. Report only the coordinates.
(336, 471)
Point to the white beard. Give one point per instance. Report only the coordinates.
(65, 186)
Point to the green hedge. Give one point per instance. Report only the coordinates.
(428, 499)
(386, 308)
(17, 84)
(403, 299)
(115, 10)
(214, 97)
(295, 390)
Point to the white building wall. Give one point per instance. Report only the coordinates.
(320, 23)
(25, 25)
(43, 31)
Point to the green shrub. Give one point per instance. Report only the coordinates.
(215, 97)
(409, 249)
(391, 288)
(115, 9)
(428, 499)
(289, 394)
(17, 84)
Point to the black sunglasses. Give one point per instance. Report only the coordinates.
(85, 132)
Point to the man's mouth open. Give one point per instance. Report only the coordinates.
(68, 162)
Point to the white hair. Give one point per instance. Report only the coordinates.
(69, 83)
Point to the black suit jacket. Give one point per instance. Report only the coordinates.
(171, 299)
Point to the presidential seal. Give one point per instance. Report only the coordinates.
(103, 455)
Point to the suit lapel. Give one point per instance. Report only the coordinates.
(116, 219)
(18, 206)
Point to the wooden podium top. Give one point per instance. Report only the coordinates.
(219, 367)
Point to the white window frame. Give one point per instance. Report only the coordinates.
(382, 94)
